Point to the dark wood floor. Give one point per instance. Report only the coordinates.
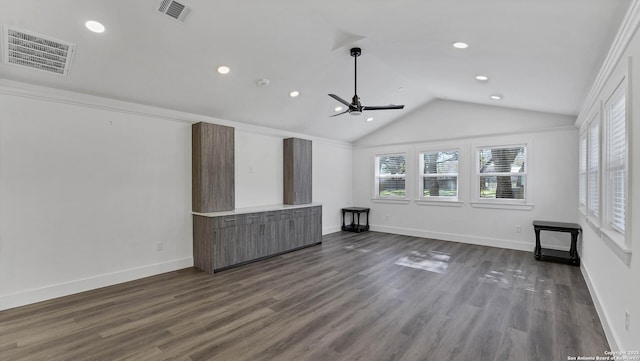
(347, 299)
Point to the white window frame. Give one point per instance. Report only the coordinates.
(503, 203)
(421, 177)
(583, 194)
(610, 165)
(378, 176)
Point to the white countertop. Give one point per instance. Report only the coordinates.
(273, 207)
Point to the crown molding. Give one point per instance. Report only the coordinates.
(623, 37)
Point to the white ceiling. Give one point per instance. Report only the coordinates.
(540, 54)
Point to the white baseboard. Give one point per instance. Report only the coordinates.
(331, 229)
(482, 241)
(67, 288)
(604, 320)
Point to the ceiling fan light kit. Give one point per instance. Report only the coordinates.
(355, 107)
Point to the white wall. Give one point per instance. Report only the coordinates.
(551, 176)
(86, 194)
(88, 186)
(612, 275)
(332, 181)
(446, 119)
(259, 177)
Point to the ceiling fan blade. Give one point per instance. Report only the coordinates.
(383, 107)
(340, 100)
(335, 115)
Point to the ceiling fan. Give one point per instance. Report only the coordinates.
(355, 107)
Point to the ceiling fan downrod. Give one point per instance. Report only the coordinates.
(355, 53)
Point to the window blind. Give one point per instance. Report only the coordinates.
(582, 176)
(502, 172)
(390, 175)
(616, 159)
(594, 154)
(439, 173)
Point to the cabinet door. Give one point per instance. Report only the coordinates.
(213, 185)
(224, 247)
(270, 234)
(314, 235)
(248, 242)
(287, 232)
(297, 231)
(297, 171)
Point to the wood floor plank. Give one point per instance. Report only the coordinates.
(366, 296)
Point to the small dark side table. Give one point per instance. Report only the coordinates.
(355, 214)
(551, 255)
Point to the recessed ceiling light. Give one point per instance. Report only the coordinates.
(496, 97)
(460, 45)
(337, 109)
(294, 93)
(94, 26)
(223, 69)
(482, 77)
(369, 119)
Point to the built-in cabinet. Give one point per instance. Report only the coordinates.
(213, 170)
(297, 171)
(232, 238)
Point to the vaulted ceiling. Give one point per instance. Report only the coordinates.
(539, 55)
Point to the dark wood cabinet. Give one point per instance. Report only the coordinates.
(213, 172)
(315, 225)
(224, 241)
(224, 250)
(297, 171)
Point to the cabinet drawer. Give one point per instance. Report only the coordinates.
(315, 210)
(271, 216)
(284, 215)
(252, 218)
(299, 212)
(229, 221)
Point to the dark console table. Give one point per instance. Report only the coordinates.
(355, 226)
(545, 254)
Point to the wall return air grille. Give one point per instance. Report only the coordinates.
(174, 9)
(28, 49)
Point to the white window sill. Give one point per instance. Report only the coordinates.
(439, 202)
(616, 242)
(390, 200)
(496, 205)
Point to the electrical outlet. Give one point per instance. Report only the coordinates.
(386, 218)
(518, 229)
(159, 246)
(627, 319)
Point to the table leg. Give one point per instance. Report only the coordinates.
(538, 250)
(574, 246)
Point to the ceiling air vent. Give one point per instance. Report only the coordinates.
(27, 49)
(174, 9)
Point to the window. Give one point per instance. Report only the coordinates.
(616, 160)
(502, 173)
(390, 176)
(593, 168)
(439, 174)
(582, 173)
